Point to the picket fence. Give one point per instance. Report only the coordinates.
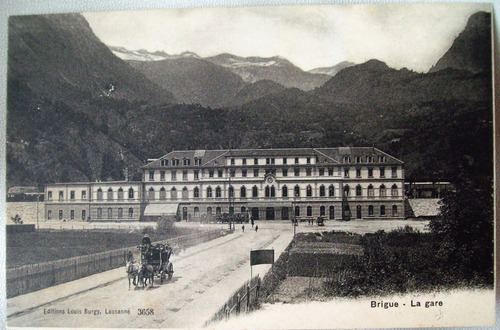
(29, 278)
(244, 300)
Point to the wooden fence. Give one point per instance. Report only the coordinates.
(244, 300)
(29, 278)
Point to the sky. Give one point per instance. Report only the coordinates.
(411, 36)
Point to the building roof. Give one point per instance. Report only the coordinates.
(323, 155)
(23, 190)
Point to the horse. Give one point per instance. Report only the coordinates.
(146, 272)
(132, 268)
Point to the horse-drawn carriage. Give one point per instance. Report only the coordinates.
(155, 261)
(158, 257)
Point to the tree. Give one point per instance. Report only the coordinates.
(464, 229)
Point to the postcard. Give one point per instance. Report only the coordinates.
(300, 166)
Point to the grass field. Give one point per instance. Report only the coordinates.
(45, 245)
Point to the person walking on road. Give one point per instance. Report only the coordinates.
(256, 228)
(243, 228)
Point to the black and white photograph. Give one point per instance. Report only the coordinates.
(277, 167)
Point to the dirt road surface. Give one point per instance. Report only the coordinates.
(205, 277)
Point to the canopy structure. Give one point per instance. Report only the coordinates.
(161, 209)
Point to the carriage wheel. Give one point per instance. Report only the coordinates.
(170, 270)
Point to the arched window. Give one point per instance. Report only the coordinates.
(346, 190)
(243, 192)
(99, 194)
(120, 212)
(370, 209)
(209, 192)
(163, 194)
(370, 191)
(284, 191)
(196, 211)
(382, 191)
(297, 191)
(209, 210)
(130, 212)
(358, 212)
(255, 191)
(322, 211)
(331, 191)
(218, 192)
(173, 193)
(273, 191)
(394, 190)
(231, 192)
(382, 209)
(131, 193)
(110, 213)
(332, 212)
(309, 191)
(120, 194)
(394, 210)
(185, 193)
(110, 194)
(309, 211)
(358, 190)
(218, 211)
(297, 211)
(322, 191)
(196, 192)
(99, 213)
(151, 194)
(267, 192)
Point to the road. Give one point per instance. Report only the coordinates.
(205, 277)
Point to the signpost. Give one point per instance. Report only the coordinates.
(259, 257)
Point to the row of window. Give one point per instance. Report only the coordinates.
(270, 191)
(110, 214)
(83, 196)
(363, 159)
(272, 160)
(256, 173)
(298, 211)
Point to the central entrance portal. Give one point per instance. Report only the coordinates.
(255, 213)
(270, 213)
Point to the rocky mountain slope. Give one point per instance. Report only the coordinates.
(277, 69)
(471, 50)
(71, 102)
(69, 118)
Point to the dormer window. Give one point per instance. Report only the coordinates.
(232, 161)
(164, 162)
(369, 159)
(175, 162)
(197, 161)
(346, 159)
(381, 159)
(186, 161)
(358, 159)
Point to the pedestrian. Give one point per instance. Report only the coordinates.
(256, 228)
(243, 228)
(251, 220)
(129, 256)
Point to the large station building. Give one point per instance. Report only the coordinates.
(268, 184)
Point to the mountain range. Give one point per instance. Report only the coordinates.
(78, 112)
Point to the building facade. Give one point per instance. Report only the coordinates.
(268, 184)
(96, 201)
